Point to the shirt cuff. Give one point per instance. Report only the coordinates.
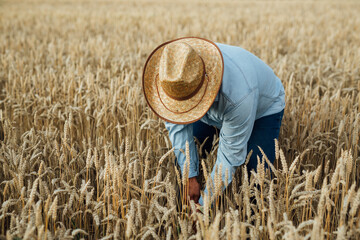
(193, 173)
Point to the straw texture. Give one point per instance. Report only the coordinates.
(157, 92)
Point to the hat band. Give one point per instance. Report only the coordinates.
(157, 89)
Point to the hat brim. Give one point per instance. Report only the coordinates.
(214, 67)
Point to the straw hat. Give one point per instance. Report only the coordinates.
(181, 79)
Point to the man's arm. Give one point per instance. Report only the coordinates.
(234, 135)
(180, 134)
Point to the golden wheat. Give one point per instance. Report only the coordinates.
(83, 156)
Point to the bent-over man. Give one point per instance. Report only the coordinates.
(197, 85)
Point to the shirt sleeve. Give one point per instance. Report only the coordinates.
(179, 134)
(234, 136)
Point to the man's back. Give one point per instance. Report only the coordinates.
(244, 73)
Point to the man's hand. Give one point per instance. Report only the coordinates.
(194, 189)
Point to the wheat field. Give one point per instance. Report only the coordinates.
(83, 156)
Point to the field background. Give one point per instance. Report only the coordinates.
(82, 155)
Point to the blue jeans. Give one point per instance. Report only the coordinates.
(265, 130)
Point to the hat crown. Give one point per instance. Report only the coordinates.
(181, 70)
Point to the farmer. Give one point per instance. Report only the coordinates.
(198, 86)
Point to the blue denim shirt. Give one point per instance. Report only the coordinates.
(250, 90)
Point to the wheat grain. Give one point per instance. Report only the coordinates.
(349, 163)
(130, 221)
(206, 209)
(38, 216)
(33, 190)
(168, 235)
(277, 149)
(283, 161)
(335, 177)
(53, 209)
(317, 174)
(117, 229)
(167, 154)
(88, 159)
(271, 203)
